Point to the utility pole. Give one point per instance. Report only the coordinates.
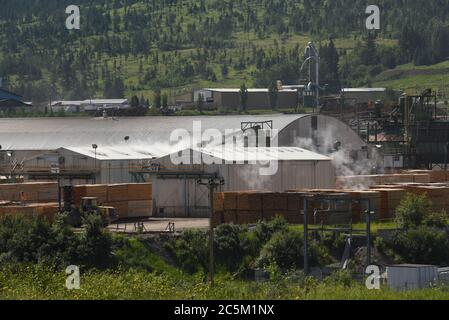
(306, 235)
(212, 183)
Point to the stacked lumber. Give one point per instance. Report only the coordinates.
(47, 211)
(132, 200)
(435, 176)
(31, 192)
(253, 206)
(414, 176)
(437, 194)
(390, 198)
(357, 182)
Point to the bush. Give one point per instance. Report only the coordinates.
(265, 230)
(34, 240)
(286, 251)
(190, 250)
(231, 246)
(436, 220)
(95, 247)
(413, 210)
(423, 245)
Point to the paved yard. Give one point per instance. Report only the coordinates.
(160, 225)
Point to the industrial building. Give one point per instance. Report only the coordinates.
(176, 191)
(364, 95)
(127, 150)
(24, 138)
(84, 165)
(257, 98)
(89, 105)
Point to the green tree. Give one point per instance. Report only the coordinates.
(157, 99)
(243, 98)
(134, 102)
(273, 94)
(200, 103)
(164, 101)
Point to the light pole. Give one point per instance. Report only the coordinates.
(212, 183)
(95, 147)
(311, 53)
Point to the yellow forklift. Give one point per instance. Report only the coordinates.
(89, 205)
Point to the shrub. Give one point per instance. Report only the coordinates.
(423, 245)
(25, 240)
(265, 230)
(190, 250)
(413, 210)
(286, 251)
(230, 245)
(436, 220)
(95, 247)
(33, 241)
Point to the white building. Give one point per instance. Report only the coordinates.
(84, 165)
(89, 105)
(176, 191)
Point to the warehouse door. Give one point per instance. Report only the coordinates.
(201, 197)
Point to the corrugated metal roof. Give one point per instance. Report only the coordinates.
(54, 133)
(119, 153)
(348, 90)
(236, 90)
(105, 101)
(89, 102)
(264, 154)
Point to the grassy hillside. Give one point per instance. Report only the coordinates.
(414, 79)
(134, 47)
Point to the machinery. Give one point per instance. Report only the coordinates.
(89, 205)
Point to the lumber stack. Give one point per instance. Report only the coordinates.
(30, 192)
(435, 176)
(437, 194)
(133, 200)
(414, 176)
(253, 206)
(390, 198)
(48, 211)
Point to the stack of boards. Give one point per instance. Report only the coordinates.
(130, 200)
(34, 199)
(48, 211)
(40, 198)
(33, 192)
(414, 176)
(251, 207)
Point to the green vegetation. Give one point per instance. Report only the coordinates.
(422, 238)
(137, 48)
(34, 255)
(41, 283)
